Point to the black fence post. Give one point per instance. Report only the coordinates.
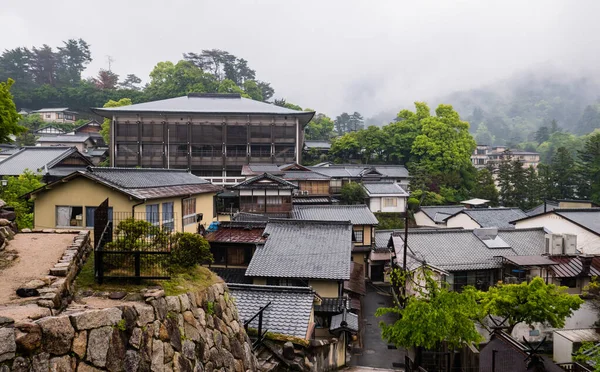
(260, 325)
(138, 278)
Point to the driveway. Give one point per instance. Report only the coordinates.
(375, 352)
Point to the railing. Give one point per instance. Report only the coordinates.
(260, 334)
(270, 208)
(225, 181)
(574, 367)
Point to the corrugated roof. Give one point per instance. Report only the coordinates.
(207, 104)
(439, 213)
(357, 214)
(228, 233)
(530, 260)
(288, 314)
(494, 217)
(571, 266)
(34, 158)
(460, 250)
(304, 249)
(580, 335)
(384, 188)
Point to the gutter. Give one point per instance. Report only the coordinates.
(135, 205)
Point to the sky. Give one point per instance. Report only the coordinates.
(328, 55)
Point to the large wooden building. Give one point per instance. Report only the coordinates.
(213, 135)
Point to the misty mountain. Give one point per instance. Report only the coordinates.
(514, 109)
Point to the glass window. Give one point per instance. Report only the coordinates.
(127, 130)
(152, 214)
(262, 131)
(358, 235)
(237, 151)
(69, 117)
(89, 215)
(260, 150)
(59, 115)
(390, 202)
(168, 220)
(152, 149)
(69, 216)
(237, 134)
(47, 116)
(189, 211)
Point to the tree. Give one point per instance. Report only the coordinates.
(26, 139)
(356, 122)
(12, 192)
(190, 250)
(74, 55)
(533, 302)
(353, 193)
(228, 86)
(319, 128)
(266, 90)
(485, 187)
(131, 82)
(589, 169)
(433, 316)
(345, 147)
(563, 174)
(542, 134)
(105, 128)
(168, 80)
(589, 353)
(483, 136)
(253, 90)
(505, 184)
(9, 117)
(106, 80)
(342, 123)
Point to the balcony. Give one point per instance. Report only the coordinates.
(270, 208)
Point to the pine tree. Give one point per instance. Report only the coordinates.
(505, 185)
(485, 187)
(589, 169)
(563, 174)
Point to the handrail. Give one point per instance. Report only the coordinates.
(261, 334)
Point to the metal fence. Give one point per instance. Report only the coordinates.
(133, 246)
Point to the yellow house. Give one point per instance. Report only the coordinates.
(166, 197)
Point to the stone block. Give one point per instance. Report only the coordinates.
(98, 343)
(173, 304)
(158, 356)
(84, 367)
(116, 351)
(188, 349)
(57, 334)
(185, 302)
(61, 364)
(145, 314)
(80, 344)
(28, 337)
(96, 318)
(20, 364)
(34, 284)
(59, 271)
(131, 361)
(136, 338)
(40, 362)
(8, 346)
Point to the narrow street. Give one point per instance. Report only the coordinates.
(375, 352)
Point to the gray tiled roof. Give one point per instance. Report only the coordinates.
(254, 183)
(304, 175)
(550, 206)
(357, 171)
(207, 104)
(257, 168)
(304, 249)
(75, 138)
(588, 218)
(289, 311)
(35, 158)
(58, 109)
(357, 214)
(146, 177)
(460, 250)
(384, 188)
(351, 322)
(245, 216)
(495, 217)
(382, 238)
(439, 213)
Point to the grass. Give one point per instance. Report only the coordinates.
(195, 279)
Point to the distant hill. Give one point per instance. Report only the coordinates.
(513, 109)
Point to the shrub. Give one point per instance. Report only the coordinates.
(413, 204)
(353, 193)
(190, 250)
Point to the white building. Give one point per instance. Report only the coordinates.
(60, 115)
(386, 196)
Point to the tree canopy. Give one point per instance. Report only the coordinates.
(9, 118)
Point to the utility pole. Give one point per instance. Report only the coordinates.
(110, 60)
(405, 247)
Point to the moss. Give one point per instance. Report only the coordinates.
(280, 337)
(172, 315)
(121, 325)
(210, 307)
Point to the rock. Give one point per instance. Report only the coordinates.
(83, 367)
(236, 348)
(160, 307)
(181, 364)
(153, 293)
(145, 314)
(201, 317)
(45, 303)
(116, 351)
(173, 304)
(117, 295)
(59, 271)
(61, 364)
(9, 215)
(20, 364)
(188, 349)
(169, 352)
(4, 321)
(27, 292)
(28, 336)
(130, 317)
(26, 230)
(185, 302)
(96, 318)
(163, 333)
(48, 231)
(228, 360)
(131, 361)
(136, 338)
(218, 339)
(191, 332)
(158, 356)
(146, 350)
(80, 344)
(98, 344)
(174, 334)
(57, 334)
(40, 362)
(288, 351)
(215, 357)
(34, 284)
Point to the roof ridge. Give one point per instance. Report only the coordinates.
(271, 288)
(330, 206)
(494, 209)
(138, 169)
(593, 209)
(320, 222)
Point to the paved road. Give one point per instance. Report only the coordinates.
(375, 352)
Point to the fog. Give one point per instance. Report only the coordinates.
(332, 56)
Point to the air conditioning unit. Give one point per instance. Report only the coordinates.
(297, 192)
(570, 243)
(554, 244)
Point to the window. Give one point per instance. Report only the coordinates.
(189, 211)
(274, 200)
(68, 216)
(218, 255)
(260, 150)
(358, 235)
(47, 116)
(152, 149)
(152, 130)
(237, 151)
(127, 149)
(152, 214)
(238, 256)
(127, 130)
(59, 115)
(286, 282)
(569, 282)
(168, 221)
(89, 215)
(390, 202)
(69, 117)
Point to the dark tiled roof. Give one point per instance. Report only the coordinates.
(261, 182)
(330, 305)
(540, 208)
(384, 188)
(288, 314)
(77, 138)
(35, 158)
(495, 217)
(357, 214)
(439, 213)
(314, 200)
(358, 171)
(588, 218)
(245, 216)
(232, 275)
(256, 169)
(382, 238)
(234, 233)
(304, 176)
(304, 249)
(350, 319)
(356, 284)
(571, 266)
(460, 250)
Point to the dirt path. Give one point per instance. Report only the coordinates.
(37, 254)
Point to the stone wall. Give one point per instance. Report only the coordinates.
(190, 332)
(56, 290)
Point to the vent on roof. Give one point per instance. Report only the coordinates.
(214, 95)
(489, 237)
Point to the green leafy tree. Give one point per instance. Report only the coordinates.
(589, 169)
(542, 134)
(588, 353)
(17, 187)
(319, 128)
(169, 80)
(534, 194)
(400, 135)
(485, 187)
(131, 82)
(253, 90)
(26, 139)
(483, 136)
(433, 316)
(533, 302)
(190, 250)
(266, 90)
(353, 193)
(346, 147)
(9, 118)
(228, 86)
(105, 128)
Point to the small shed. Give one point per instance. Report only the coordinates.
(568, 341)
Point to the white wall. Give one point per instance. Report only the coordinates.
(562, 349)
(462, 220)
(421, 219)
(376, 204)
(587, 242)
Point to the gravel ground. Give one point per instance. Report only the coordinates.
(37, 254)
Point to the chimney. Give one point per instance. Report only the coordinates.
(586, 264)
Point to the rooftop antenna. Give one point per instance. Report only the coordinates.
(110, 60)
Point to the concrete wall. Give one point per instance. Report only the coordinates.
(462, 220)
(86, 193)
(376, 204)
(562, 349)
(325, 288)
(190, 332)
(421, 219)
(587, 242)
